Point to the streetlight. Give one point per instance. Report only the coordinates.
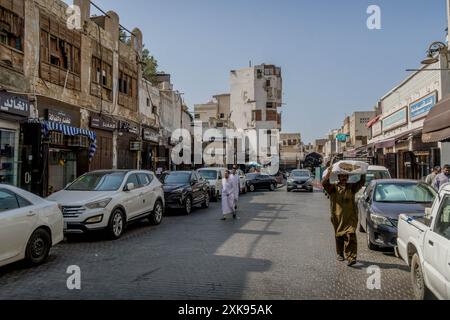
(435, 47)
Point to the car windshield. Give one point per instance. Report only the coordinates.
(300, 174)
(176, 178)
(98, 181)
(376, 175)
(252, 176)
(208, 174)
(404, 193)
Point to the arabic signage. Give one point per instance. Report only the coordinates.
(60, 117)
(395, 120)
(103, 123)
(150, 135)
(377, 129)
(422, 107)
(128, 127)
(15, 105)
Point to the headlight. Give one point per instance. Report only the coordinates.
(96, 219)
(381, 221)
(98, 204)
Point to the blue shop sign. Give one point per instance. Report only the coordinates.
(421, 108)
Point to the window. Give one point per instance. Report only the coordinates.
(154, 110)
(23, 203)
(222, 115)
(125, 84)
(404, 193)
(11, 29)
(144, 179)
(220, 125)
(257, 115)
(8, 200)
(133, 179)
(267, 83)
(443, 220)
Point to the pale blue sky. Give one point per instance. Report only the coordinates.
(332, 64)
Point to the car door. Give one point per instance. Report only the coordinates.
(17, 220)
(437, 252)
(147, 191)
(133, 200)
(364, 204)
(196, 186)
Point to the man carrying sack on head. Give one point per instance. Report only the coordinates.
(344, 213)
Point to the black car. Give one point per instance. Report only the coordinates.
(300, 180)
(257, 181)
(382, 203)
(184, 190)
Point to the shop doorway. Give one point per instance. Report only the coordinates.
(62, 169)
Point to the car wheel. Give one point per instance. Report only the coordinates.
(370, 245)
(157, 214)
(272, 187)
(205, 204)
(421, 292)
(252, 188)
(116, 224)
(188, 206)
(38, 247)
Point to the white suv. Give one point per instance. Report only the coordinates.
(108, 200)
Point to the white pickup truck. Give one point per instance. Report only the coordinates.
(424, 244)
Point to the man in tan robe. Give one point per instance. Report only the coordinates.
(344, 215)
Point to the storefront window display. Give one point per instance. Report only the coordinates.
(8, 156)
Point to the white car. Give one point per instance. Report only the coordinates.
(373, 173)
(214, 177)
(109, 200)
(29, 226)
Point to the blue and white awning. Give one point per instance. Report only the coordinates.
(48, 126)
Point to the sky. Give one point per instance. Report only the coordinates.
(332, 63)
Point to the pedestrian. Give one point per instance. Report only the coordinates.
(344, 214)
(431, 178)
(227, 196)
(442, 178)
(237, 186)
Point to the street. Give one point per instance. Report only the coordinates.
(282, 247)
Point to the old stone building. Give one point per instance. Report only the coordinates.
(69, 99)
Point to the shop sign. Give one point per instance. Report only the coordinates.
(14, 105)
(135, 145)
(59, 116)
(377, 129)
(128, 127)
(422, 107)
(395, 120)
(150, 135)
(103, 123)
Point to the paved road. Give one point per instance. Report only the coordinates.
(281, 248)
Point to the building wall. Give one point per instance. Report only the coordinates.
(358, 128)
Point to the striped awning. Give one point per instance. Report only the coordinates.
(48, 126)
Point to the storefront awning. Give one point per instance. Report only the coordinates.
(389, 143)
(437, 124)
(48, 126)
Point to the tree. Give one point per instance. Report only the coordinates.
(149, 66)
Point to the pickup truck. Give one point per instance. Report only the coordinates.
(424, 244)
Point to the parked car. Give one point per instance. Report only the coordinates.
(300, 180)
(109, 200)
(257, 181)
(382, 203)
(424, 244)
(214, 177)
(29, 226)
(184, 190)
(374, 173)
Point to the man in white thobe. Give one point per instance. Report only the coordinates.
(237, 186)
(227, 196)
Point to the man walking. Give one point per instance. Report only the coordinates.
(227, 196)
(344, 215)
(430, 179)
(442, 178)
(237, 187)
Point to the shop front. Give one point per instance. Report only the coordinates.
(437, 130)
(104, 128)
(150, 143)
(129, 144)
(14, 109)
(56, 150)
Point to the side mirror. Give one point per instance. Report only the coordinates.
(129, 187)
